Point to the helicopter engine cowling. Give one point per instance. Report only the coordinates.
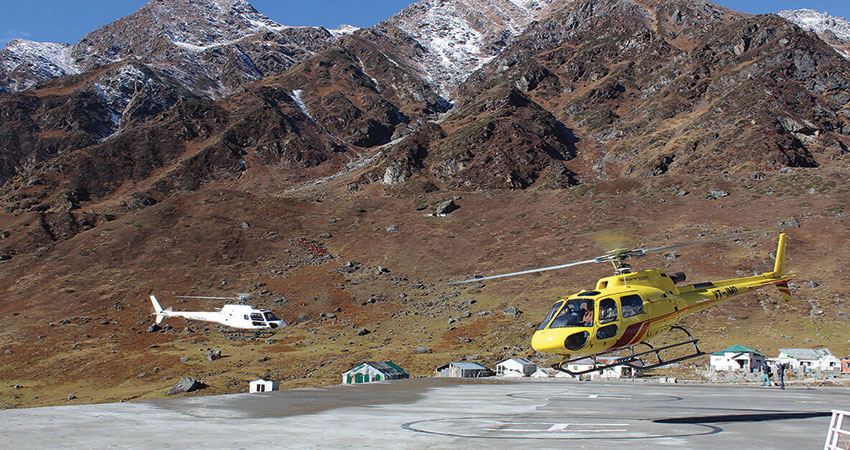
(678, 277)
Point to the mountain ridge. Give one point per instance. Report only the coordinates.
(306, 167)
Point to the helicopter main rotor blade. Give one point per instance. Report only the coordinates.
(208, 298)
(620, 255)
(705, 241)
(542, 269)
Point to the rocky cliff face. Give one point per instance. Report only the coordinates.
(636, 89)
(544, 95)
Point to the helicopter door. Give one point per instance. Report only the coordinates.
(607, 315)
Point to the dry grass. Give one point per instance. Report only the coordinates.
(192, 243)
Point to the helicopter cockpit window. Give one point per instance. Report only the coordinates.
(607, 310)
(256, 316)
(577, 313)
(551, 314)
(632, 305)
(270, 317)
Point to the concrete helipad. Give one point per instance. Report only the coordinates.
(439, 413)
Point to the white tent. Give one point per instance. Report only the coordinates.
(540, 373)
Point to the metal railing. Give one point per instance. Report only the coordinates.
(837, 437)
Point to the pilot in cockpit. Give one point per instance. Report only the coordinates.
(587, 320)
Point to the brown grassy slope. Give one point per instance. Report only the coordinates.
(98, 280)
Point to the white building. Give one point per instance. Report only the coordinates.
(618, 371)
(520, 366)
(808, 360)
(258, 386)
(736, 358)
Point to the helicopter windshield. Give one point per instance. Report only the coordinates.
(551, 314)
(270, 317)
(577, 313)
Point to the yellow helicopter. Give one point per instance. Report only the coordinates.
(627, 309)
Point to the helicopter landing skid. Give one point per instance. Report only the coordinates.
(240, 334)
(633, 358)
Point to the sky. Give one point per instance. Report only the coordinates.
(68, 21)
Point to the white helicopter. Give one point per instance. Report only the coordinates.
(241, 317)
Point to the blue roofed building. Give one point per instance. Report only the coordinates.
(463, 370)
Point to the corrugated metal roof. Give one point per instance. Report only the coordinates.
(522, 361)
(805, 353)
(385, 367)
(468, 366)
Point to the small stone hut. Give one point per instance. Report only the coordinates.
(261, 385)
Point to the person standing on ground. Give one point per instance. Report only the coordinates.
(780, 370)
(765, 374)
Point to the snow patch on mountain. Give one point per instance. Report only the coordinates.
(55, 56)
(24, 63)
(343, 30)
(363, 69)
(461, 36)
(296, 97)
(826, 26)
(819, 22)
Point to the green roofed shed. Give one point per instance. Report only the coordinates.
(373, 371)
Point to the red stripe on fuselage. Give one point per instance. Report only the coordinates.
(632, 333)
(640, 334)
(635, 332)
